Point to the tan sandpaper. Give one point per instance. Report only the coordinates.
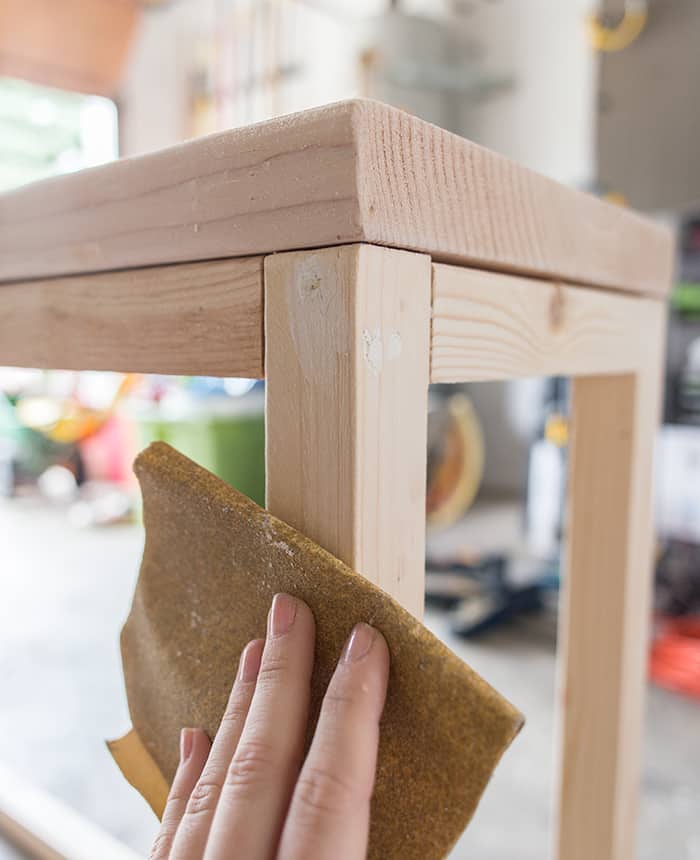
(139, 769)
(212, 562)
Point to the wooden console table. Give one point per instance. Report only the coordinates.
(350, 255)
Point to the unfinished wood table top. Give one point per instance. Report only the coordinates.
(353, 171)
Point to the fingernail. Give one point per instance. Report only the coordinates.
(250, 661)
(186, 744)
(359, 643)
(282, 614)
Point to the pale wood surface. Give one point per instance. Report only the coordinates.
(27, 842)
(347, 341)
(354, 171)
(487, 326)
(196, 318)
(606, 607)
(207, 318)
(43, 828)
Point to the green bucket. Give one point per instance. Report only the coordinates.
(226, 437)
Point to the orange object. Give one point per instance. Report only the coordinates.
(74, 45)
(456, 473)
(675, 656)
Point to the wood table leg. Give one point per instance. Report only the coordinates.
(347, 333)
(606, 608)
(42, 827)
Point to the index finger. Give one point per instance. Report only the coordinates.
(329, 813)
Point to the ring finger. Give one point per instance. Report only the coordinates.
(193, 831)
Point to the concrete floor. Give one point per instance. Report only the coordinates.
(64, 595)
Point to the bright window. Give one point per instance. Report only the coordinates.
(45, 131)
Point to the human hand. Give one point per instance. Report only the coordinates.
(250, 795)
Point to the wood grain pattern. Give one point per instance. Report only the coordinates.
(347, 345)
(489, 326)
(423, 188)
(195, 318)
(288, 183)
(492, 326)
(354, 171)
(606, 607)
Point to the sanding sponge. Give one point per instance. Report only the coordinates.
(212, 562)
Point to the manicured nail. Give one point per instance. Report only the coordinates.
(250, 660)
(186, 744)
(282, 614)
(359, 643)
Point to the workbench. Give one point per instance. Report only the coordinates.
(350, 255)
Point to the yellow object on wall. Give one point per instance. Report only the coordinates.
(629, 29)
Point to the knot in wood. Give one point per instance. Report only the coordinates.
(557, 308)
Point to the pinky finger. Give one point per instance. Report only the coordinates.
(194, 749)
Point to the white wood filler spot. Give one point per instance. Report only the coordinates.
(373, 348)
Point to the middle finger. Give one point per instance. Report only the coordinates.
(259, 783)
